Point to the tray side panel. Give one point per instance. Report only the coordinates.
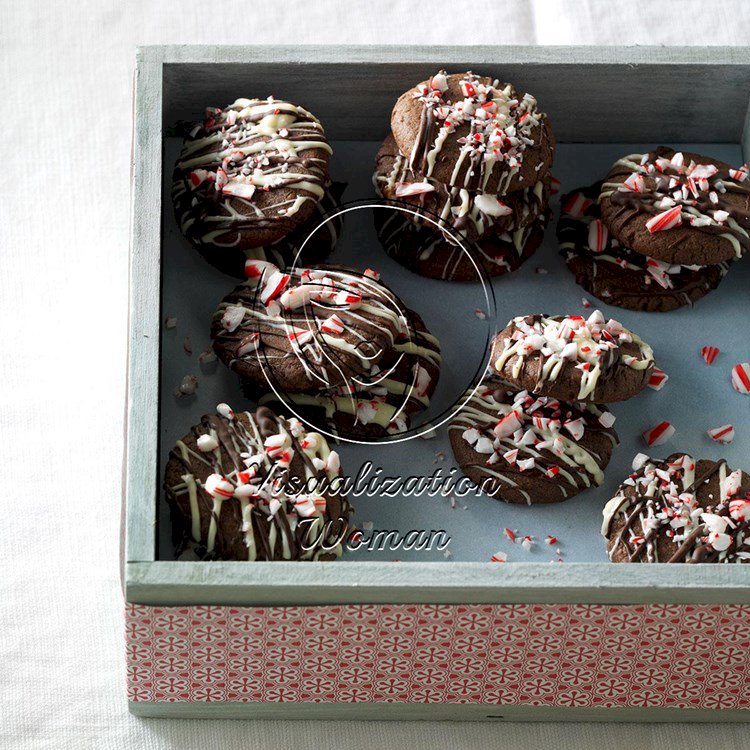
(655, 94)
(143, 341)
(679, 657)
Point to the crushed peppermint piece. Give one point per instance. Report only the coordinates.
(723, 435)
(499, 557)
(741, 378)
(668, 219)
(658, 379)
(710, 353)
(662, 433)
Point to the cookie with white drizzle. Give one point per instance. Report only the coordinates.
(678, 207)
(679, 510)
(308, 329)
(573, 358)
(620, 276)
(528, 449)
(249, 174)
(473, 132)
(429, 253)
(402, 387)
(319, 235)
(475, 215)
(256, 486)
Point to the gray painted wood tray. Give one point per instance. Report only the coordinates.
(603, 103)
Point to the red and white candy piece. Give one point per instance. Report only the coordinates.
(635, 183)
(300, 338)
(732, 483)
(662, 433)
(575, 427)
(719, 540)
(739, 509)
(199, 176)
(576, 205)
(218, 486)
(741, 377)
(239, 189)
(508, 425)
(333, 325)
(658, 379)
(348, 299)
(491, 205)
(668, 219)
(224, 410)
(723, 435)
(710, 353)
(606, 419)
(499, 557)
(405, 189)
(598, 236)
(274, 286)
(370, 274)
(232, 317)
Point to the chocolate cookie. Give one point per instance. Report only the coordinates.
(619, 276)
(679, 510)
(318, 240)
(678, 207)
(476, 215)
(406, 379)
(473, 132)
(524, 448)
(573, 358)
(428, 252)
(256, 486)
(250, 174)
(307, 329)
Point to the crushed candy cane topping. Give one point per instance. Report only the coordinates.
(676, 192)
(501, 123)
(245, 459)
(593, 344)
(534, 434)
(700, 508)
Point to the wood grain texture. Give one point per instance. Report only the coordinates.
(144, 314)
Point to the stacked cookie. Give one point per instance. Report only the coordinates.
(534, 430)
(659, 232)
(252, 182)
(468, 158)
(332, 342)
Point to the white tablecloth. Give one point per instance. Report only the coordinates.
(66, 83)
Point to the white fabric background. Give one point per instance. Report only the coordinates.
(66, 82)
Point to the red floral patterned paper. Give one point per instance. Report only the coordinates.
(578, 655)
